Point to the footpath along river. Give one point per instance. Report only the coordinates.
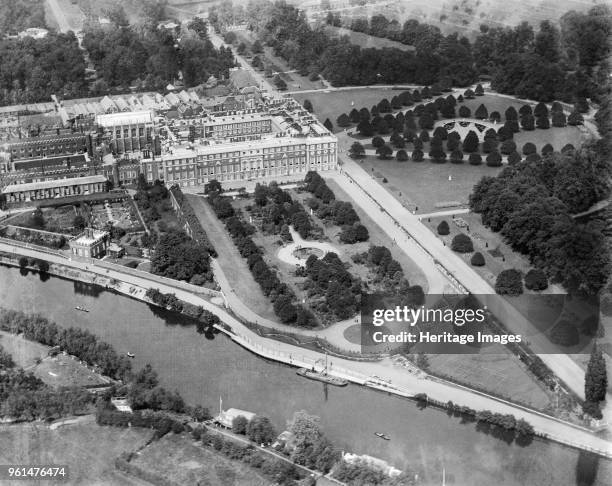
(203, 369)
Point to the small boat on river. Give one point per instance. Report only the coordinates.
(380, 435)
(130, 355)
(81, 308)
(322, 376)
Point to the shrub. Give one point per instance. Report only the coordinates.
(477, 259)
(462, 243)
(494, 159)
(536, 279)
(401, 156)
(456, 157)
(529, 148)
(509, 282)
(547, 150)
(418, 155)
(443, 228)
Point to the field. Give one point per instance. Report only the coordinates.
(176, 457)
(425, 185)
(496, 370)
(88, 450)
(366, 40)
(63, 370)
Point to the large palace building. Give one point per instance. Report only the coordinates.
(272, 137)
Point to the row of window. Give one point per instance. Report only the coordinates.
(131, 132)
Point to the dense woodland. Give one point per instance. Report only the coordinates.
(17, 15)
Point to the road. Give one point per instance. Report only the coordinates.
(400, 381)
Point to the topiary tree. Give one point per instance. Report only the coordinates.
(543, 122)
(490, 134)
(529, 148)
(377, 142)
(509, 282)
(559, 119)
(479, 91)
(535, 279)
(456, 157)
(437, 154)
(568, 149)
(527, 122)
(343, 121)
(465, 112)
(471, 142)
(495, 116)
(596, 378)
(511, 113)
(365, 128)
(535, 157)
(547, 150)
(469, 94)
(504, 133)
(441, 133)
(356, 151)
(489, 145)
(396, 104)
(354, 116)
(401, 156)
(481, 112)
(384, 106)
(452, 144)
(443, 228)
(328, 124)
(475, 159)
(462, 243)
(364, 114)
(556, 107)
(417, 143)
(564, 333)
(575, 118)
(507, 147)
(384, 152)
(512, 125)
(525, 110)
(424, 136)
(418, 155)
(477, 260)
(540, 110)
(426, 121)
(494, 159)
(514, 158)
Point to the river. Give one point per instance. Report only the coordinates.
(203, 369)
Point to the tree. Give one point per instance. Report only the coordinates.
(308, 106)
(525, 110)
(239, 425)
(384, 106)
(475, 159)
(23, 262)
(514, 158)
(443, 228)
(384, 152)
(469, 94)
(37, 219)
(401, 155)
(79, 222)
(354, 116)
(437, 153)
(543, 122)
(356, 151)
(43, 266)
(529, 148)
(426, 121)
(462, 243)
(511, 113)
(575, 118)
(595, 378)
(343, 121)
(456, 157)
(547, 150)
(479, 91)
(424, 136)
(558, 119)
(365, 128)
(494, 159)
(507, 147)
(280, 83)
(481, 112)
(535, 279)
(540, 110)
(528, 122)
(441, 133)
(377, 142)
(509, 282)
(465, 112)
(328, 124)
(256, 47)
(418, 155)
(477, 259)
(260, 430)
(241, 49)
(471, 142)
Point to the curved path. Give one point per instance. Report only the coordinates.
(384, 375)
(286, 253)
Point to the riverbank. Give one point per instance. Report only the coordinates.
(384, 375)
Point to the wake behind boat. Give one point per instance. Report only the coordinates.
(81, 308)
(321, 376)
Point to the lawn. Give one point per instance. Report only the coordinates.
(178, 458)
(234, 266)
(427, 186)
(63, 370)
(366, 40)
(88, 450)
(24, 352)
(495, 369)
